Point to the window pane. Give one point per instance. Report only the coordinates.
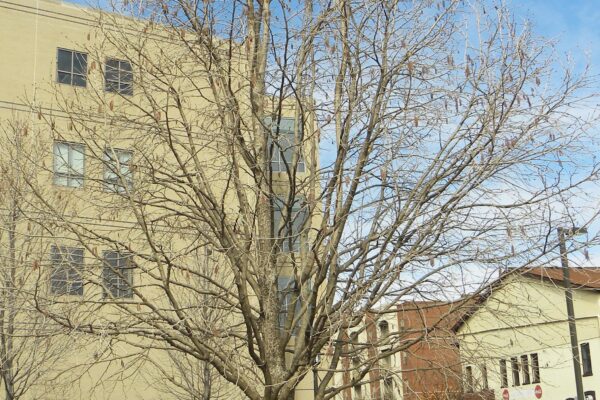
(117, 275)
(112, 63)
(125, 66)
(112, 86)
(126, 88)
(65, 277)
(80, 63)
(111, 74)
(286, 125)
(77, 159)
(61, 158)
(64, 60)
(64, 77)
(79, 80)
(126, 77)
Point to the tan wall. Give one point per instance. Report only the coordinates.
(526, 316)
(28, 45)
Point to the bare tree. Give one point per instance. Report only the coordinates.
(335, 156)
(31, 344)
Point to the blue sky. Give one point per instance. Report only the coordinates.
(573, 23)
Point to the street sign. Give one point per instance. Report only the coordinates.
(538, 392)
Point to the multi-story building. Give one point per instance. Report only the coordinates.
(96, 213)
(427, 368)
(516, 343)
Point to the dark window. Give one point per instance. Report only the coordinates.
(67, 266)
(469, 379)
(514, 365)
(535, 368)
(525, 369)
(384, 329)
(69, 163)
(290, 301)
(71, 67)
(118, 76)
(289, 223)
(284, 144)
(586, 359)
(484, 376)
(117, 275)
(503, 374)
(388, 388)
(117, 174)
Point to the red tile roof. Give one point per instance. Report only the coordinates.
(580, 277)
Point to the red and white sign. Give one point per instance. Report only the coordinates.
(538, 392)
(505, 394)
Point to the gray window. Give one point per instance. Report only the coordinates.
(586, 359)
(117, 172)
(535, 368)
(118, 77)
(514, 364)
(71, 67)
(69, 163)
(67, 266)
(117, 275)
(289, 223)
(289, 301)
(469, 379)
(525, 368)
(283, 144)
(503, 374)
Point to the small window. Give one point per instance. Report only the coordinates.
(117, 275)
(484, 376)
(67, 266)
(514, 364)
(586, 359)
(289, 300)
(71, 67)
(117, 174)
(69, 162)
(284, 144)
(535, 368)
(503, 374)
(118, 76)
(469, 379)
(388, 388)
(289, 222)
(525, 369)
(384, 329)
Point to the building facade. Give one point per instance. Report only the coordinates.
(93, 202)
(516, 342)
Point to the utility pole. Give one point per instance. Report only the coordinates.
(562, 232)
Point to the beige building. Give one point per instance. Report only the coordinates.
(54, 57)
(516, 344)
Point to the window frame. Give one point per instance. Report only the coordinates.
(108, 269)
(119, 81)
(72, 72)
(586, 359)
(514, 366)
(484, 376)
(115, 185)
(289, 229)
(525, 369)
(69, 176)
(469, 379)
(503, 374)
(281, 140)
(64, 262)
(535, 368)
